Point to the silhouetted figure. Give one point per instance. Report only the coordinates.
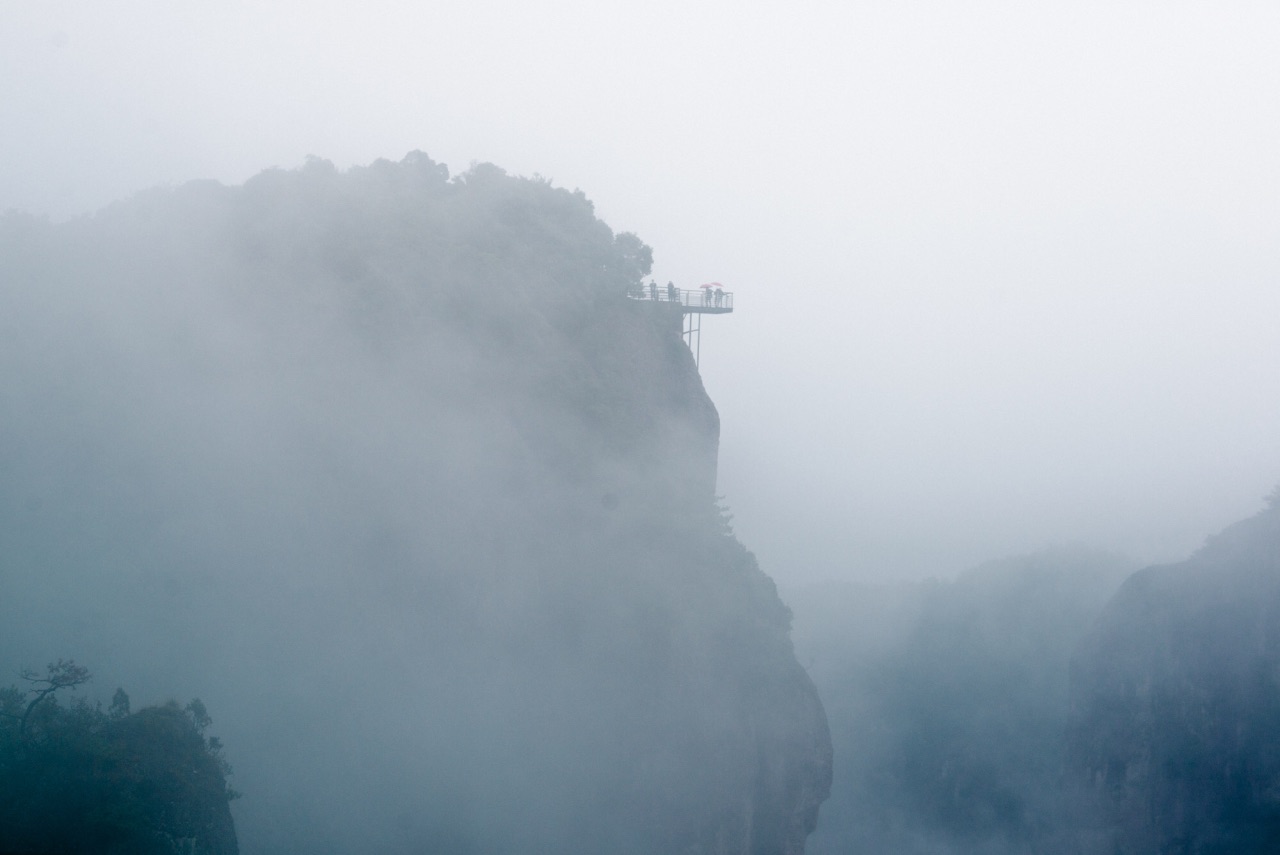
(719, 296)
(672, 294)
(653, 289)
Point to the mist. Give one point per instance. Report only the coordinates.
(1004, 285)
(992, 258)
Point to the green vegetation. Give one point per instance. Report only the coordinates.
(75, 778)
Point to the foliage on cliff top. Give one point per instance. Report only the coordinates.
(75, 778)
(493, 292)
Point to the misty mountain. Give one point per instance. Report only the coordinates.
(385, 465)
(1056, 703)
(948, 702)
(1175, 724)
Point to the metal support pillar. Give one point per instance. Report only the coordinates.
(693, 335)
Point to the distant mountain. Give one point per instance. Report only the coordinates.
(1175, 726)
(948, 703)
(387, 466)
(1056, 703)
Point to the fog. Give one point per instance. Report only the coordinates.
(1004, 275)
(1005, 285)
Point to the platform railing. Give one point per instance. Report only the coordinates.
(696, 299)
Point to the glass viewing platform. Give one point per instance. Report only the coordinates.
(701, 301)
(709, 299)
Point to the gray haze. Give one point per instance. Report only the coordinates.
(1005, 273)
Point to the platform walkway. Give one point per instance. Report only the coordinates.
(700, 301)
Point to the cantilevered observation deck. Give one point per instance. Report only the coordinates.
(709, 299)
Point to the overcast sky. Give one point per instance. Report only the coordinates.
(1006, 273)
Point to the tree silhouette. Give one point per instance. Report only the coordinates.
(63, 674)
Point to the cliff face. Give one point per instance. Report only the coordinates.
(389, 464)
(1174, 744)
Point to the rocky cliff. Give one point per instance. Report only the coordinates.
(1174, 743)
(389, 465)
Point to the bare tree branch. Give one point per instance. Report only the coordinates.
(63, 674)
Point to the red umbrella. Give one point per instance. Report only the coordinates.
(711, 285)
